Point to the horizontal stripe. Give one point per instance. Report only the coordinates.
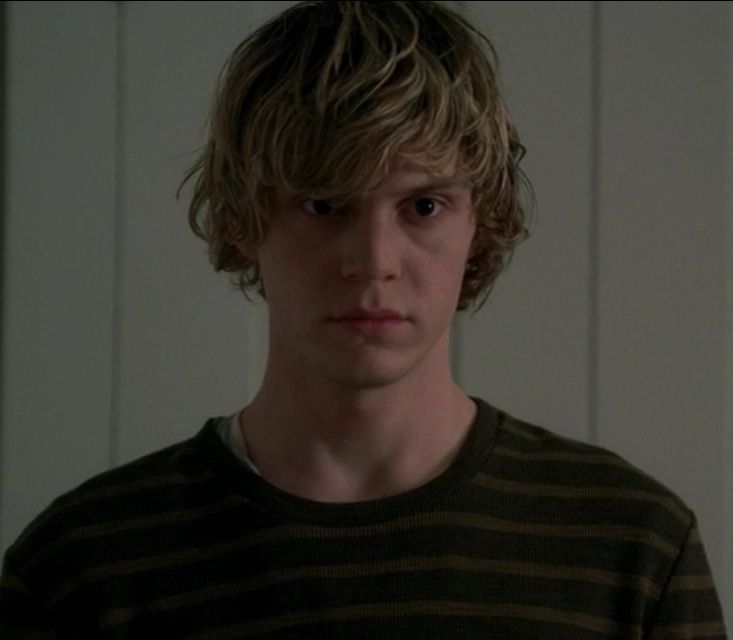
(688, 631)
(403, 565)
(122, 488)
(128, 525)
(613, 532)
(691, 583)
(450, 609)
(117, 489)
(561, 456)
(589, 492)
(514, 527)
(186, 556)
(527, 433)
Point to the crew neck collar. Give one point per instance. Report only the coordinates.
(266, 496)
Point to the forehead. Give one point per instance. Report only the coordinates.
(408, 173)
(403, 173)
(403, 165)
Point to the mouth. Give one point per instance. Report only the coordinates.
(370, 321)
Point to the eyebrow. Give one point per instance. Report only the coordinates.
(450, 184)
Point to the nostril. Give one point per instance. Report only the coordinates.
(369, 269)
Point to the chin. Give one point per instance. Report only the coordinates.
(373, 375)
(367, 382)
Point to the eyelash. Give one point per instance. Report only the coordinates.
(438, 206)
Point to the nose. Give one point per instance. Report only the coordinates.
(370, 247)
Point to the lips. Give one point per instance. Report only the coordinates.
(384, 315)
(370, 321)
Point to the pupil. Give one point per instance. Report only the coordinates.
(424, 207)
(321, 207)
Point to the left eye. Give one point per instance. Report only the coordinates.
(318, 207)
(426, 207)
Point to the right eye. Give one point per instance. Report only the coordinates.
(318, 207)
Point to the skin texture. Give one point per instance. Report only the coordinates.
(361, 301)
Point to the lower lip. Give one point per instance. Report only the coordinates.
(370, 326)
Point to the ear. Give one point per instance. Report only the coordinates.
(236, 237)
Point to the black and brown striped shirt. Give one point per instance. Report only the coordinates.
(527, 535)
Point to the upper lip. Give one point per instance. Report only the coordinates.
(370, 314)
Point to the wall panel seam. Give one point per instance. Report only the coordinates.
(3, 166)
(118, 227)
(594, 212)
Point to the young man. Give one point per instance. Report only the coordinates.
(362, 174)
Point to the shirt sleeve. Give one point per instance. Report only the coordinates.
(689, 607)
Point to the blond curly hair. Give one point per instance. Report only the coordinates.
(324, 96)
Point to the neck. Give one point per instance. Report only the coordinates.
(332, 443)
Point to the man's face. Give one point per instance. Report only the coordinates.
(363, 296)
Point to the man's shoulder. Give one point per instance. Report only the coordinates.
(587, 478)
(124, 497)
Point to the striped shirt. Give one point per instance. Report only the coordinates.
(526, 535)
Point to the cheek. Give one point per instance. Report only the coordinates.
(289, 272)
(455, 253)
(447, 270)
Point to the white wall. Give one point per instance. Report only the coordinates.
(58, 292)
(662, 283)
(614, 324)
